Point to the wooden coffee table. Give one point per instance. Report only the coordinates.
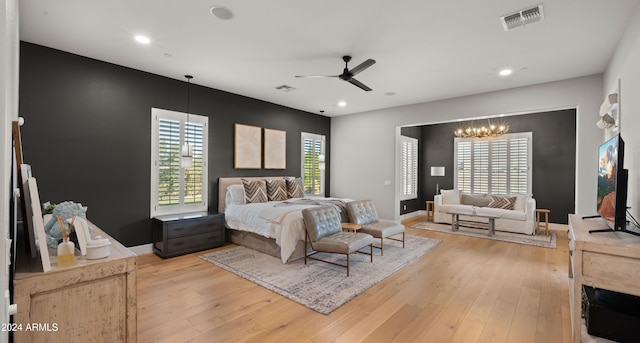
(456, 222)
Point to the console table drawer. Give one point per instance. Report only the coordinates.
(611, 267)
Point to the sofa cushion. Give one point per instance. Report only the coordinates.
(521, 201)
(454, 208)
(451, 196)
(382, 228)
(504, 214)
(475, 200)
(506, 203)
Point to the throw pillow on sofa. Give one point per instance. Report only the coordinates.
(450, 197)
(506, 203)
(475, 200)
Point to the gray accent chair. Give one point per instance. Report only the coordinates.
(364, 213)
(324, 233)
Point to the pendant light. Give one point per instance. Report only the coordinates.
(186, 153)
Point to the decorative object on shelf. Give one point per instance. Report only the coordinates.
(437, 171)
(32, 198)
(247, 147)
(489, 130)
(66, 249)
(98, 248)
(66, 210)
(186, 152)
(608, 113)
(275, 149)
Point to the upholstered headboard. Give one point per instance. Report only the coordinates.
(225, 182)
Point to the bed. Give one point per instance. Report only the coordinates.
(274, 227)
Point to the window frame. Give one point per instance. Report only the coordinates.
(487, 168)
(315, 161)
(157, 115)
(411, 171)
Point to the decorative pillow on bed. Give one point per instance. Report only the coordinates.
(295, 188)
(255, 190)
(277, 190)
(506, 203)
(235, 195)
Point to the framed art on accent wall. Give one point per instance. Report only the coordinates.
(247, 147)
(275, 149)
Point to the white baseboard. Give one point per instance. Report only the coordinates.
(142, 249)
(413, 214)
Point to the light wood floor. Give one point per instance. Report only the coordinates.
(464, 290)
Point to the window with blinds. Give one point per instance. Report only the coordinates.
(494, 165)
(175, 189)
(313, 163)
(409, 168)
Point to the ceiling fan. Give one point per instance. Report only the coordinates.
(347, 75)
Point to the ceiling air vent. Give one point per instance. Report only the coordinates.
(522, 17)
(285, 88)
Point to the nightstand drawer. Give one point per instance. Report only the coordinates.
(183, 234)
(196, 242)
(192, 226)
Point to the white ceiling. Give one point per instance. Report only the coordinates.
(425, 50)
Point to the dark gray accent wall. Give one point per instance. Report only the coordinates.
(553, 159)
(87, 134)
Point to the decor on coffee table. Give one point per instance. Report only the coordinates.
(319, 286)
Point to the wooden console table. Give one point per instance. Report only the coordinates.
(607, 260)
(91, 301)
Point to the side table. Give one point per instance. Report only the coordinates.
(429, 208)
(540, 211)
(350, 227)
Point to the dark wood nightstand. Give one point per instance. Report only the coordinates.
(181, 234)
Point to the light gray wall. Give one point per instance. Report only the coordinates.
(367, 153)
(8, 113)
(625, 66)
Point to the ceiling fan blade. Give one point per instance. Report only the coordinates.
(362, 66)
(316, 76)
(359, 84)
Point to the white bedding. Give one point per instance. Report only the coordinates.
(272, 219)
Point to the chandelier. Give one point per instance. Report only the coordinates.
(489, 130)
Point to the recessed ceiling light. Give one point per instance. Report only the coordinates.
(505, 72)
(221, 12)
(342, 103)
(142, 39)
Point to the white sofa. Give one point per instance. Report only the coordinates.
(520, 219)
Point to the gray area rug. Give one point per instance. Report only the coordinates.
(317, 285)
(540, 239)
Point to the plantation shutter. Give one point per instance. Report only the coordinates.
(494, 165)
(313, 163)
(174, 188)
(169, 163)
(464, 171)
(409, 168)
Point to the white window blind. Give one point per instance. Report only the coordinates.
(494, 165)
(409, 168)
(175, 189)
(313, 163)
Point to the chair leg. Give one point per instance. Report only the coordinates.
(403, 240)
(381, 246)
(348, 264)
(305, 247)
(371, 251)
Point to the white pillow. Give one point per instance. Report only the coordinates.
(235, 195)
(450, 197)
(521, 201)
